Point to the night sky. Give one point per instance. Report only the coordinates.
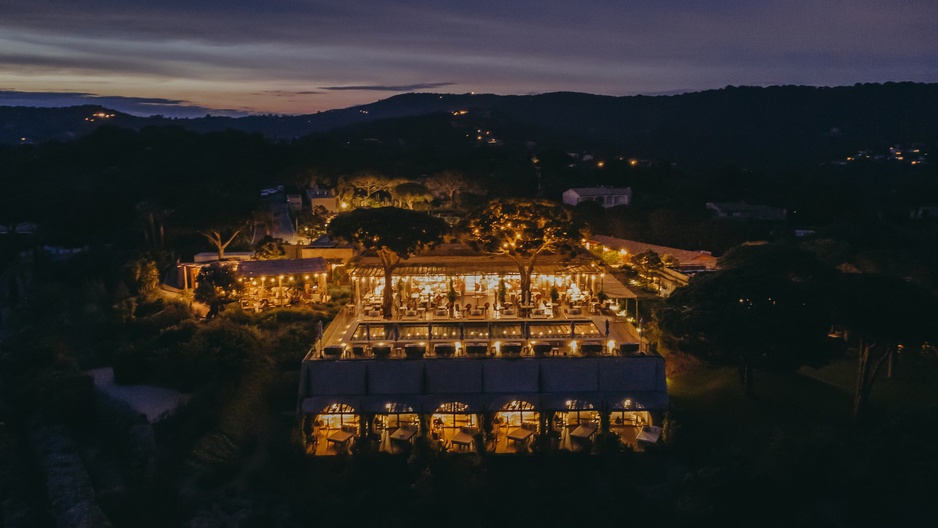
(189, 57)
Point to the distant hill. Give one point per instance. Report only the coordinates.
(20, 124)
(734, 124)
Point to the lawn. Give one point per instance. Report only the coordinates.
(913, 386)
(793, 454)
(709, 406)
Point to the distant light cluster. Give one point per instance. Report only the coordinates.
(911, 155)
(99, 115)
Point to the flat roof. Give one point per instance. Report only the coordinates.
(547, 383)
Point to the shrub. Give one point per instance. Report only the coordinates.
(222, 348)
(289, 344)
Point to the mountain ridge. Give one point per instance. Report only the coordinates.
(806, 120)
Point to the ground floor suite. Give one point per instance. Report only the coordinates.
(514, 429)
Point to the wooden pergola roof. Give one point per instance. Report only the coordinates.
(273, 268)
(452, 266)
(616, 290)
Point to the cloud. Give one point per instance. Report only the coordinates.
(302, 56)
(141, 106)
(389, 88)
(289, 93)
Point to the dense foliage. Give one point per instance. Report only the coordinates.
(523, 230)
(767, 308)
(393, 234)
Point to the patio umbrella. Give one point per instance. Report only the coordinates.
(462, 330)
(565, 442)
(319, 331)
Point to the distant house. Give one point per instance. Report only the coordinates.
(688, 260)
(210, 256)
(605, 196)
(745, 211)
(669, 278)
(322, 197)
(335, 252)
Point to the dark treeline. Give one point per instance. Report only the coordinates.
(159, 185)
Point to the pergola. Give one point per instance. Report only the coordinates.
(470, 274)
(285, 270)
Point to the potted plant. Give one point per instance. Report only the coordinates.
(444, 350)
(592, 349)
(414, 351)
(477, 350)
(511, 350)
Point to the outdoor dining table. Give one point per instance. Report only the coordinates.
(584, 431)
(403, 434)
(463, 438)
(340, 437)
(649, 434)
(520, 434)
